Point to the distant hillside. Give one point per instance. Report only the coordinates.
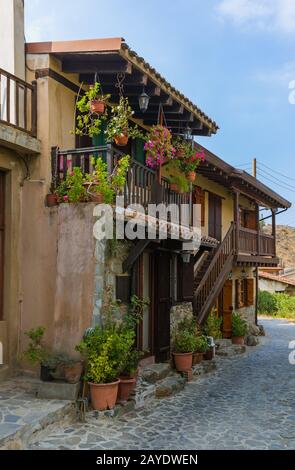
(285, 244)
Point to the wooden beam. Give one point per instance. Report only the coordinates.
(135, 253)
(70, 65)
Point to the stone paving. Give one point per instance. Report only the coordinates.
(23, 415)
(248, 403)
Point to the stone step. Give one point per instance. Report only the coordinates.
(232, 350)
(170, 386)
(155, 372)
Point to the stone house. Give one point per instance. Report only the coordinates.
(276, 283)
(55, 273)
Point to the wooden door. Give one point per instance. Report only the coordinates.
(2, 236)
(215, 216)
(162, 305)
(226, 307)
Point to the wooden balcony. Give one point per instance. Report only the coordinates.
(18, 103)
(142, 185)
(254, 245)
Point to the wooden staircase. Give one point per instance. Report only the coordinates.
(212, 273)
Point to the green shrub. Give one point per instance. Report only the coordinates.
(201, 344)
(267, 303)
(212, 326)
(239, 326)
(185, 342)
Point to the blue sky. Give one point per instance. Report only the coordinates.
(233, 58)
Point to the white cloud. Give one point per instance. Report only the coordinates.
(271, 15)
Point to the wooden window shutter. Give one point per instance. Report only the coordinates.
(185, 281)
(200, 199)
(239, 300)
(250, 292)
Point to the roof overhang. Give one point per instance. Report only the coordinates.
(221, 172)
(112, 58)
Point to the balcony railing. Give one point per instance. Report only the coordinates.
(256, 243)
(18, 103)
(141, 182)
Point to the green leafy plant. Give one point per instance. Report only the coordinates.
(181, 182)
(185, 342)
(35, 352)
(119, 122)
(106, 351)
(72, 189)
(239, 325)
(120, 173)
(276, 304)
(213, 324)
(134, 315)
(201, 344)
(89, 123)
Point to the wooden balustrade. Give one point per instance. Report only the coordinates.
(18, 103)
(141, 182)
(256, 243)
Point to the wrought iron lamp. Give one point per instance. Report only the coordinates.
(143, 101)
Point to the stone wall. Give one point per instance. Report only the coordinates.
(177, 313)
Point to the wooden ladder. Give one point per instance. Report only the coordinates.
(213, 280)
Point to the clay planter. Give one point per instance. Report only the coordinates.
(126, 387)
(191, 176)
(197, 358)
(97, 106)
(45, 373)
(209, 355)
(103, 396)
(73, 373)
(51, 200)
(121, 140)
(238, 340)
(183, 361)
(96, 196)
(174, 187)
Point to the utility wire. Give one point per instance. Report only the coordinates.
(279, 173)
(274, 182)
(292, 187)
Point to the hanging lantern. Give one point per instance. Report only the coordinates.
(187, 132)
(143, 101)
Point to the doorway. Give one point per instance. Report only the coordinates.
(225, 308)
(162, 305)
(2, 237)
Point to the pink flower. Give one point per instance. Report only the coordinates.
(66, 198)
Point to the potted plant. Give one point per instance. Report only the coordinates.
(119, 128)
(105, 350)
(191, 160)
(37, 354)
(184, 346)
(239, 329)
(200, 349)
(51, 198)
(72, 368)
(159, 147)
(129, 375)
(92, 112)
(72, 189)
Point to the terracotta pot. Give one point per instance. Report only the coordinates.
(121, 140)
(73, 373)
(97, 106)
(103, 396)
(208, 356)
(191, 176)
(238, 340)
(96, 196)
(197, 358)
(126, 387)
(51, 200)
(174, 187)
(183, 361)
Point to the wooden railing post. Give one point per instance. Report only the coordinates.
(237, 218)
(273, 213)
(34, 109)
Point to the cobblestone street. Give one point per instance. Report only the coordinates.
(249, 403)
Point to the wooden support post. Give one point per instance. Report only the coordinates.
(273, 213)
(258, 229)
(237, 217)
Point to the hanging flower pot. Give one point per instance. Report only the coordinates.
(191, 176)
(121, 139)
(180, 153)
(97, 106)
